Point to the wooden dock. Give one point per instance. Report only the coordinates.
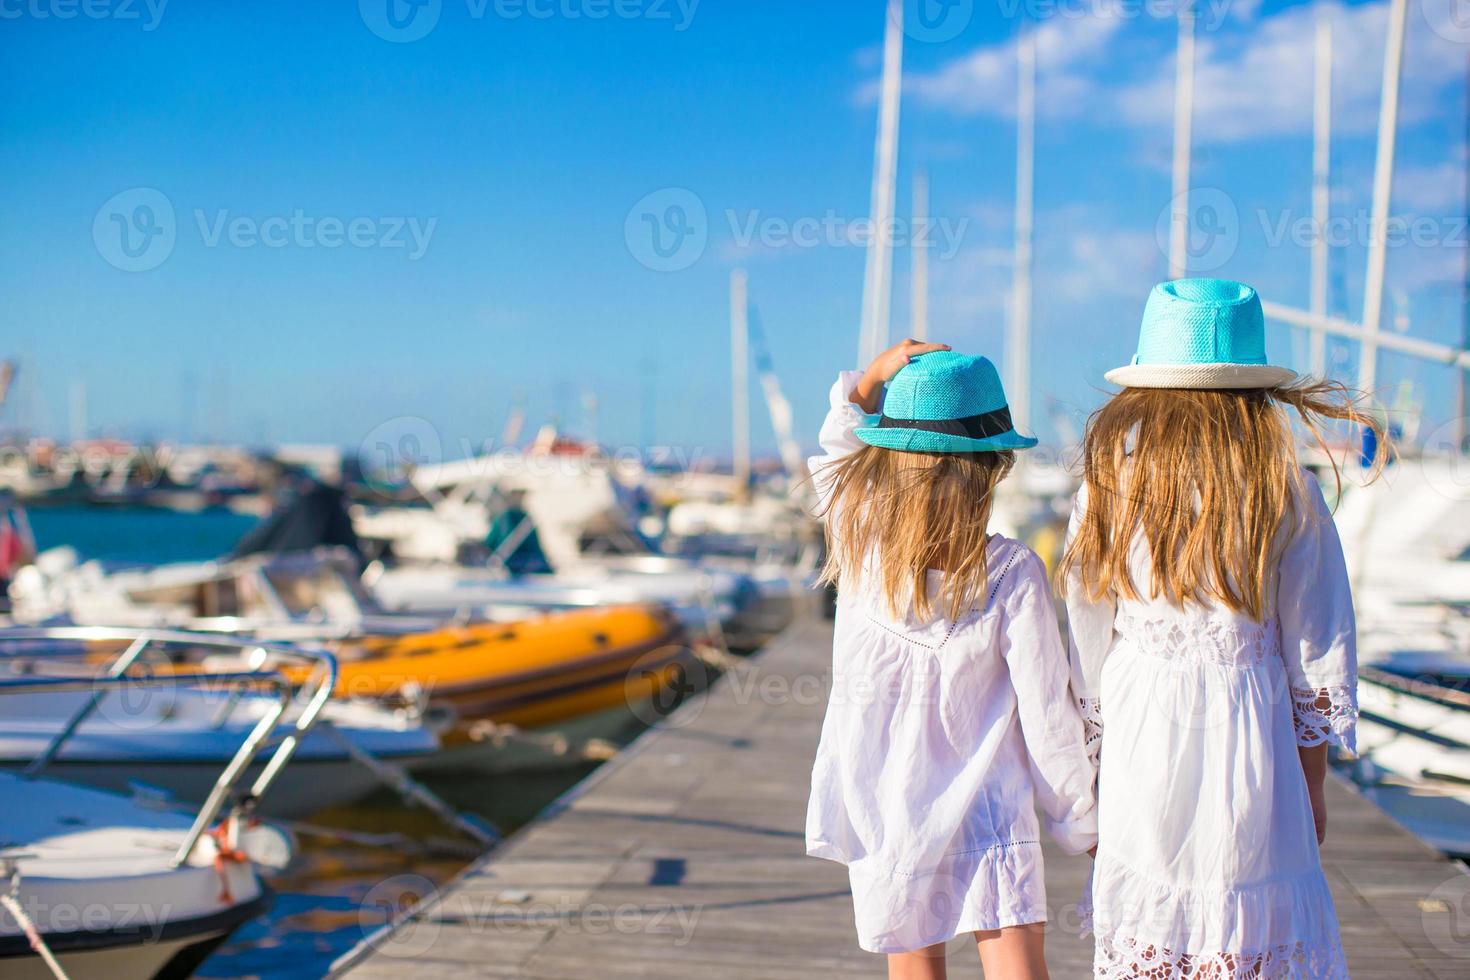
(684, 858)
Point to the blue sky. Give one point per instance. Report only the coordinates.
(367, 230)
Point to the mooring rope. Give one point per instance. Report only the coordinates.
(10, 901)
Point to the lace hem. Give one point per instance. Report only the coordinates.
(1123, 958)
(1335, 721)
(1092, 727)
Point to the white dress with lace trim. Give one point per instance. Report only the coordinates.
(1207, 863)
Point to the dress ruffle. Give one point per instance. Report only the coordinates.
(1200, 929)
(985, 889)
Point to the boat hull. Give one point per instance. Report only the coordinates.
(538, 672)
(174, 956)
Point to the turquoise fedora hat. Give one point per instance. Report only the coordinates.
(1201, 333)
(944, 402)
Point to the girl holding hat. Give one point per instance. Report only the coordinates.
(950, 717)
(1213, 644)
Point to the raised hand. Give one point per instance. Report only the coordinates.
(869, 391)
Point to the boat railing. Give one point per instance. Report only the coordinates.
(260, 658)
(1446, 696)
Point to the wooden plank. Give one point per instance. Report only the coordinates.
(684, 856)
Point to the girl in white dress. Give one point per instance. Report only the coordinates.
(1214, 646)
(950, 717)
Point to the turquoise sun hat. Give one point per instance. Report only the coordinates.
(944, 402)
(1201, 333)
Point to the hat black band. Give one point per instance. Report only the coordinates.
(982, 426)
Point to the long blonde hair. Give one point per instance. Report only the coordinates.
(898, 514)
(1206, 478)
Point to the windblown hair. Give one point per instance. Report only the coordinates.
(895, 515)
(1206, 478)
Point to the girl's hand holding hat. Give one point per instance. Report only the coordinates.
(869, 391)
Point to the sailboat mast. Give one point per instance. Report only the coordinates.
(1462, 390)
(1183, 126)
(740, 381)
(1321, 185)
(877, 284)
(920, 243)
(1382, 185)
(1018, 349)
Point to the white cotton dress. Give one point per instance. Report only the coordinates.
(1207, 863)
(940, 739)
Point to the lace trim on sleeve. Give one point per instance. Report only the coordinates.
(1336, 722)
(1092, 727)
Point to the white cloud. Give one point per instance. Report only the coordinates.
(1068, 51)
(1253, 76)
(1431, 188)
(1259, 83)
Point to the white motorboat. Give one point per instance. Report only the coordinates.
(1414, 740)
(1406, 538)
(175, 734)
(581, 519)
(302, 596)
(98, 879)
(100, 886)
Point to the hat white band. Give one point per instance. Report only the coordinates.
(1210, 376)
